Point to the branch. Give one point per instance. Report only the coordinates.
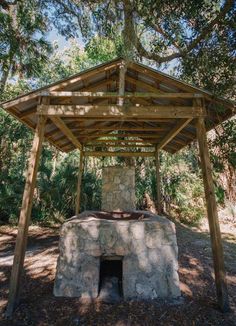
(159, 30)
(132, 37)
(208, 28)
(135, 40)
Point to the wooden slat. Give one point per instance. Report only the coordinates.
(118, 141)
(216, 242)
(24, 219)
(162, 77)
(118, 128)
(140, 135)
(28, 112)
(115, 111)
(172, 133)
(120, 154)
(82, 76)
(120, 145)
(62, 126)
(143, 85)
(125, 95)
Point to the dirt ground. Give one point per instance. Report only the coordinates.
(38, 306)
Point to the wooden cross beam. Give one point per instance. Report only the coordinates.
(120, 154)
(125, 95)
(99, 135)
(123, 112)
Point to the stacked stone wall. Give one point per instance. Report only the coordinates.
(118, 189)
(147, 247)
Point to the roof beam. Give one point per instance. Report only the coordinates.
(127, 111)
(172, 133)
(121, 146)
(125, 95)
(83, 75)
(120, 154)
(62, 126)
(118, 141)
(99, 135)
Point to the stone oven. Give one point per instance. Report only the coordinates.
(137, 249)
(132, 253)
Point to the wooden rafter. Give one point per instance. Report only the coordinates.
(172, 133)
(62, 126)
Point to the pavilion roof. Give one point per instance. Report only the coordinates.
(102, 120)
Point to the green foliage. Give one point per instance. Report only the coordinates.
(102, 49)
(24, 48)
(182, 186)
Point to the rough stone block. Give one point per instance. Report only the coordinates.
(147, 248)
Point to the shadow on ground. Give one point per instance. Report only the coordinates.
(38, 306)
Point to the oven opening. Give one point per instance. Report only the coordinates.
(110, 283)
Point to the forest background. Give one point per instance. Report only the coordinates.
(191, 40)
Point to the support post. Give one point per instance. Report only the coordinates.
(158, 182)
(121, 91)
(25, 214)
(81, 167)
(216, 243)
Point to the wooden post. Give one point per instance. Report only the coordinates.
(216, 243)
(123, 68)
(27, 201)
(158, 182)
(81, 167)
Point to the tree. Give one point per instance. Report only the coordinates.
(173, 30)
(23, 43)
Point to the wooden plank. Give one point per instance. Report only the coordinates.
(168, 79)
(62, 126)
(121, 91)
(61, 84)
(120, 128)
(120, 154)
(28, 112)
(142, 84)
(140, 135)
(24, 219)
(158, 182)
(80, 174)
(52, 132)
(216, 242)
(115, 111)
(120, 145)
(125, 95)
(118, 141)
(172, 133)
(93, 72)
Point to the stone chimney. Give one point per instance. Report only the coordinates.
(118, 188)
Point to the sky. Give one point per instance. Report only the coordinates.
(54, 36)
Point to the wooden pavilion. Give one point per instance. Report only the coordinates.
(121, 105)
